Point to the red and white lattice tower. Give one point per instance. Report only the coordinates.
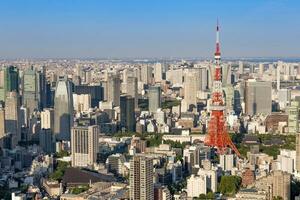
(218, 136)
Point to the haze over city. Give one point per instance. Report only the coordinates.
(148, 29)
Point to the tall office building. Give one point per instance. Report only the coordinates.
(158, 72)
(47, 119)
(84, 145)
(293, 117)
(141, 178)
(2, 125)
(42, 87)
(12, 117)
(127, 113)
(112, 89)
(30, 87)
(47, 140)
(132, 89)
(226, 75)
(146, 74)
(298, 152)
(261, 68)
(258, 97)
(63, 110)
(81, 102)
(154, 98)
(9, 81)
(241, 68)
(191, 87)
(95, 91)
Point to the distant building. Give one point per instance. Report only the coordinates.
(81, 102)
(84, 145)
(158, 72)
(31, 93)
(9, 81)
(112, 89)
(141, 178)
(47, 119)
(2, 125)
(154, 98)
(96, 93)
(293, 117)
(63, 110)
(298, 152)
(258, 97)
(47, 140)
(13, 117)
(128, 121)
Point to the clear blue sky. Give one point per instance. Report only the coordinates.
(148, 28)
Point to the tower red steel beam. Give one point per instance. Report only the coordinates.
(218, 136)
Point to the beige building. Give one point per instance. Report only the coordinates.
(84, 145)
(2, 125)
(298, 152)
(47, 118)
(13, 117)
(141, 178)
(277, 183)
(81, 102)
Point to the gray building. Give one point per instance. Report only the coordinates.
(127, 113)
(154, 98)
(258, 97)
(63, 110)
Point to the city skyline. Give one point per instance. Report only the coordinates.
(148, 29)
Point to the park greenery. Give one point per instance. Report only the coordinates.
(79, 189)
(229, 185)
(59, 171)
(168, 104)
(209, 195)
(174, 188)
(289, 142)
(62, 154)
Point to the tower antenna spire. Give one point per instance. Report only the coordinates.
(218, 136)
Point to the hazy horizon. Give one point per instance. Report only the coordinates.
(36, 29)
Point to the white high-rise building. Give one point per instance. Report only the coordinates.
(47, 118)
(82, 102)
(158, 72)
(84, 145)
(227, 161)
(196, 185)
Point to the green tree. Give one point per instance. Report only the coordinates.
(229, 185)
(277, 198)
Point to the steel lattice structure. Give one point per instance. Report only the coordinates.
(218, 136)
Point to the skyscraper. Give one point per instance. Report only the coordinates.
(191, 87)
(63, 110)
(132, 89)
(298, 152)
(146, 74)
(258, 97)
(84, 145)
(293, 117)
(154, 98)
(9, 81)
(12, 117)
(158, 72)
(47, 119)
(127, 113)
(30, 85)
(2, 125)
(112, 89)
(141, 178)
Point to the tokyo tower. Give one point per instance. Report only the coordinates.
(218, 136)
